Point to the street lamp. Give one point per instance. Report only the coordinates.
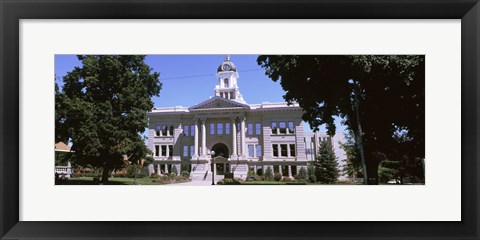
(212, 154)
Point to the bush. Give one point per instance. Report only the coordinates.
(186, 173)
(277, 177)
(287, 179)
(230, 181)
(131, 169)
(174, 170)
(154, 175)
(312, 178)
(268, 174)
(251, 175)
(302, 174)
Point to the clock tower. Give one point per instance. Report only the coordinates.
(227, 77)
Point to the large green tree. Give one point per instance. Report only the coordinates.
(326, 165)
(102, 110)
(378, 97)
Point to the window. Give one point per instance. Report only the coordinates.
(274, 127)
(165, 130)
(192, 130)
(282, 127)
(259, 170)
(170, 150)
(283, 150)
(225, 82)
(192, 150)
(292, 150)
(157, 150)
(212, 128)
(275, 150)
(164, 151)
(158, 130)
(291, 129)
(227, 128)
(276, 168)
(185, 130)
(258, 128)
(250, 129)
(171, 130)
(258, 150)
(250, 151)
(162, 168)
(219, 128)
(185, 151)
(285, 171)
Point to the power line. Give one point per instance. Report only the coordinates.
(192, 76)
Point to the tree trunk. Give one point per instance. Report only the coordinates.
(105, 175)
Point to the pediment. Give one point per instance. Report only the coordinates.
(218, 103)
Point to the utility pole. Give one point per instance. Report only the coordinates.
(359, 137)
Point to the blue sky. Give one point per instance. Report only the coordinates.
(190, 79)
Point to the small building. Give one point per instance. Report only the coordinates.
(62, 168)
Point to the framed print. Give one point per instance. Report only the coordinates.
(86, 75)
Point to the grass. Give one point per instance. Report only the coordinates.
(112, 181)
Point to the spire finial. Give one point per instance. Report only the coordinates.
(227, 57)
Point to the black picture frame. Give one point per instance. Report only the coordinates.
(11, 11)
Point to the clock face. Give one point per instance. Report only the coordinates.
(226, 67)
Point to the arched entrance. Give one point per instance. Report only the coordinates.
(222, 165)
(221, 150)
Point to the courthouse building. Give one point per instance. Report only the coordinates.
(243, 136)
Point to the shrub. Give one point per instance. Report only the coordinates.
(312, 178)
(268, 174)
(131, 169)
(229, 181)
(287, 179)
(186, 173)
(174, 170)
(302, 174)
(154, 175)
(277, 177)
(251, 175)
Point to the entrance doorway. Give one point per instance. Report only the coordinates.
(222, 165)
(221, 150)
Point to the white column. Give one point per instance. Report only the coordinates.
(195, 152)
(168, 151)
(204, 139)
(234, 138)
(242, 136)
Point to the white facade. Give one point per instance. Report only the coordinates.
(245, 136)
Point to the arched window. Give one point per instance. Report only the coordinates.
(225, 82)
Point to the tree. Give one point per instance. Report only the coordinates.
(326, 165)
(377, 97)
(102, 109)
(353, 166)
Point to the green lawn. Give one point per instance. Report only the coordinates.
(111, 181)
(268, 183)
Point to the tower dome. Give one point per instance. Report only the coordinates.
(227, 77)
(227, 65)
